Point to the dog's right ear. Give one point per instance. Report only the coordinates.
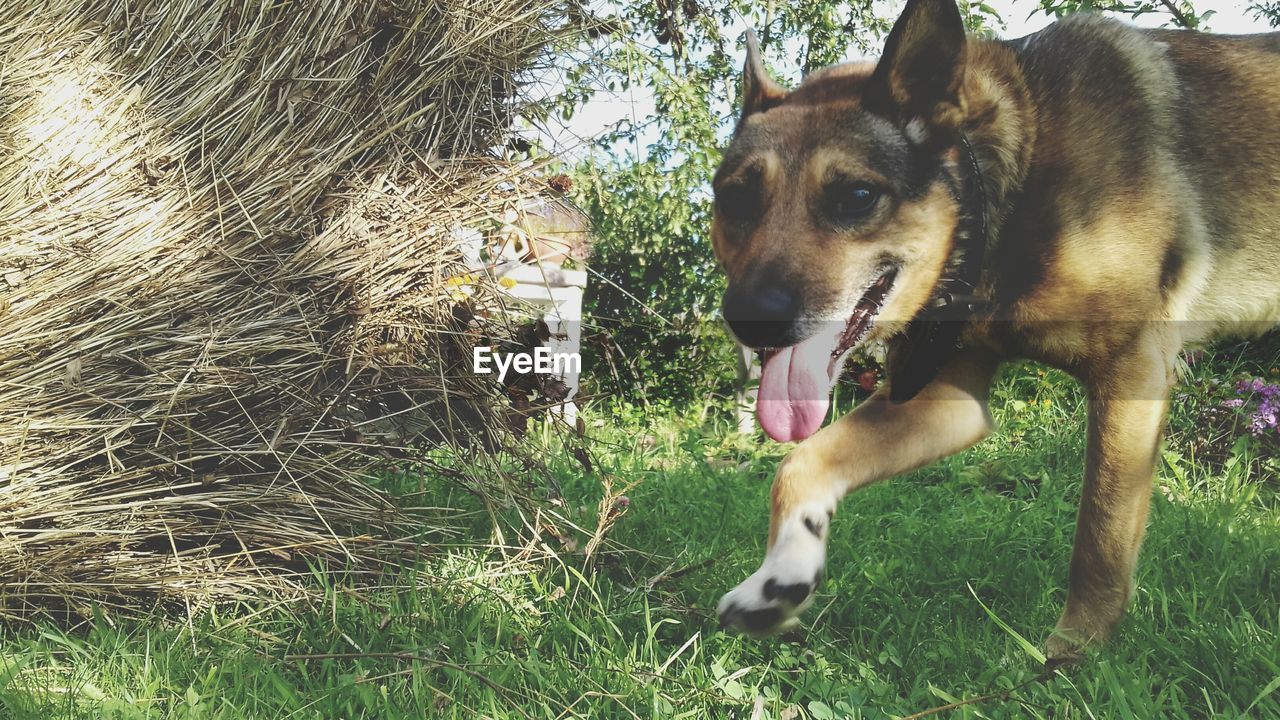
(759, 91)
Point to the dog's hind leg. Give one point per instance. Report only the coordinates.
(1128, 398)
(877, 440)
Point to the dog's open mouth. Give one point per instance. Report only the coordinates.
(795, 385)
(864, 314)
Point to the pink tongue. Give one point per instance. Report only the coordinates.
(795, 389)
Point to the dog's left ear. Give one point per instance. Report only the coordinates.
(759, 91)
(920, 74)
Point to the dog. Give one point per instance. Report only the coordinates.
(1093, 196)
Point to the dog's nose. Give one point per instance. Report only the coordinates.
(762, 316)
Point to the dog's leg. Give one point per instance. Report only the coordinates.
(877, 440)
(1128, 399)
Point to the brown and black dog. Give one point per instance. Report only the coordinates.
(1093, 196)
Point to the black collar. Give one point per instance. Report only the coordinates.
(933, 336)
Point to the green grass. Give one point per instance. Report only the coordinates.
(940, 586)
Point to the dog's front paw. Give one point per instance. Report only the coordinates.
(772, 599)
(1062, 651)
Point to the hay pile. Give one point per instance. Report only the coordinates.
(227, 232)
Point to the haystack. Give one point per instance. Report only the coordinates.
(228, 262)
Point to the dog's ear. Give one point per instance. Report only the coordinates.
(759, 91)
(919, 75)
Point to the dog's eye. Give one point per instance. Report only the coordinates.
(849, 202)
(738, 203)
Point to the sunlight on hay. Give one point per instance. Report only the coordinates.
(67, 124)
(226, 231)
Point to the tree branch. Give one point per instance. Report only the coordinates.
(1179, 16)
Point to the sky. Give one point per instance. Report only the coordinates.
(568, 139)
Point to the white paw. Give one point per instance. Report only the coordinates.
(773, 597)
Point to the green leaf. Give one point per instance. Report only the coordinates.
(821, 711)
(1028, 648)
(1270, 688)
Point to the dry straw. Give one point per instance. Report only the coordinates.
(227, 229)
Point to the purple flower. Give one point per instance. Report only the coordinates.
(1266, 416)
(1249, 386)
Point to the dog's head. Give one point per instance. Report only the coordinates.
(834, 209)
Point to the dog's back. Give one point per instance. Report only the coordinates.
(1175, 131)
(1230, 143)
